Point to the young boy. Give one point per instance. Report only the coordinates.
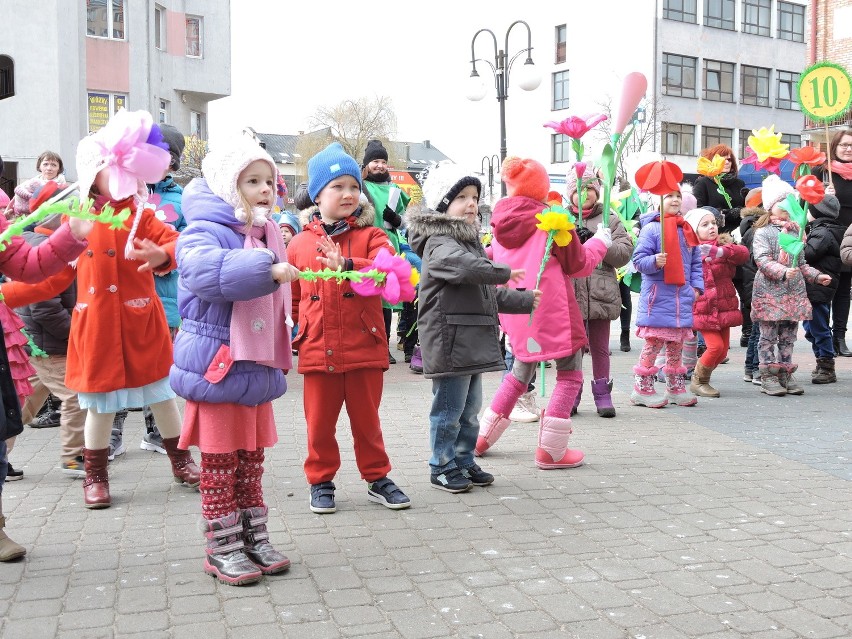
(341, 342)
(457, 319)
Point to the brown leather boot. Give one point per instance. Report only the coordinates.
(9, 550)
(96, 483)
(183, 466)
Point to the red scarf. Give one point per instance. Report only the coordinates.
(673, 270)
(843, 169)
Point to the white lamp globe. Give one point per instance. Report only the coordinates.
(476, 88)
(528, 76)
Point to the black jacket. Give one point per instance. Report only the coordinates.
(707, 194)
(822, 251)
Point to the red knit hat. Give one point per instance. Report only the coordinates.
(525, 177)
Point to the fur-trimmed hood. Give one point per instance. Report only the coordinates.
(424, 223)
(364, 216)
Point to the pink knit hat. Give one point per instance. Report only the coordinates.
(525, 177)
(588, 177)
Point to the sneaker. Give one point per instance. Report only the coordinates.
(477, 476)
(322, 498)
(526, 411)
(383, 491)
(755, 377)
(47, 419)
(116, 440)
(453, 481)
(152, 440)
(74, 467)
(748, 375)
(12, 474)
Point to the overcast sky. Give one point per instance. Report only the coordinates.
(289, 58)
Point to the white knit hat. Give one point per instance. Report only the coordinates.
(223, 165)
(694, 217)
(444, 182)
(774, 191)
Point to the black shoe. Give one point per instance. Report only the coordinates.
(391, 358)
(477, 476)
(49, 419)
(840, 347)
(12, 474)
(452, 481)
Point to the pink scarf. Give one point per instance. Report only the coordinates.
(843, 169)
(260, 327)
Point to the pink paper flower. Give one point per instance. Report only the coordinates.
(577, 126)
(129, 146)
(397, 286)
(773, 165)
(580, 170)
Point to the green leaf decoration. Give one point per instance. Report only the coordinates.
(797, 213)
(607, 168)
(792, 245)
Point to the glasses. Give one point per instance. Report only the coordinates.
(845, 146)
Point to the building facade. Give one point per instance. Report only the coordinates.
(67, 65)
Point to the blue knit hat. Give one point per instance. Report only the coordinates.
(329, 164)
(288, 219)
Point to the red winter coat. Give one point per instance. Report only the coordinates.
(339, 331)
(718, 307)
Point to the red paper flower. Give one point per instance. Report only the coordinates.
(810, 189)
(808, 155)
(659, 178)
(577, 126)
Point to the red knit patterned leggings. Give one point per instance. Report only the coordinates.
(230, 481)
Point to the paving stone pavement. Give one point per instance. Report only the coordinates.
(729, 519)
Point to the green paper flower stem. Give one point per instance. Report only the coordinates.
(541, 369)
(545, 257)
(722, 190)
(341, 276)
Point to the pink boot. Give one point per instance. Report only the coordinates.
(553, 451)
(644, 393)
(491, 426)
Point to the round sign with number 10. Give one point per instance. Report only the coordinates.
(825, 91)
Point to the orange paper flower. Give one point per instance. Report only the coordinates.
(809, 156)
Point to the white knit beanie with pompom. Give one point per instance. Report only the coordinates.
(222, 167)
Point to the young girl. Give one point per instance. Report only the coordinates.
(718, 308)
(26, 263)
(556, 332)
(779, 300)
(598, 295)
(671, 282)
(231, 350)
(343, 348)
(458, 322)
(120, 348)
(50, 167)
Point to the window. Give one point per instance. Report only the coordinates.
(560, 90)
(7, 77)
(757, 14)
(791, 21)
(159, 27)
(744, 152)
(560, 148)
(680, 10)
(718, 81)
(679, 75)
(786, 90)
(102, 106)
(164, 112)
(795, 141)
(713, 135)
(754, 86)
(197, 125)
(194, 25)
(719, 14)
(105, 19)
(678, 139)
(561, 43)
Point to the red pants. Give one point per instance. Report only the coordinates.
(717, 347)
(324, 396)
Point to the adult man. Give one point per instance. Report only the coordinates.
(390, 203)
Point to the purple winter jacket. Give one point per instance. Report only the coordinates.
(216, 271)
(664, 305)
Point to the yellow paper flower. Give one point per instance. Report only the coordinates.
(415, 277)
(557, 223)
(711, 168)
(767, 144)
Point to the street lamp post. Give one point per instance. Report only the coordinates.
(493, 163)
(501, 69)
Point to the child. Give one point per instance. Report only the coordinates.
(231, 350)
(120, 348)
(458, 322)
(752, 211)
(556, 331)
(718, 307)
(289, 226)
(671, 282)
(23, 262)
(343, 348)
(598, 295)
(779, 299)
(822, 251)
(50, 167)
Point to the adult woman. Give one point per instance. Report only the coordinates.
(706, 193)
(840, 152)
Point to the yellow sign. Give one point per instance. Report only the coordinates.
(825, 91)
(98, 111)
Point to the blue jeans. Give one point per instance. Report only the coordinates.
(453, 421)
(4, 464)
(751, 359)
(818, 330)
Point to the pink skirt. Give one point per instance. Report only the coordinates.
(19, 360)
(225, 428)
(665, 333)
